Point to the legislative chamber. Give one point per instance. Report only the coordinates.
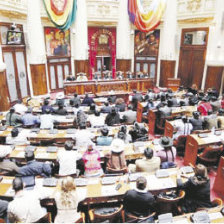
(111, 111)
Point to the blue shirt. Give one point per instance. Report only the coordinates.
(104, 140)
(35, 168)
(30, 119)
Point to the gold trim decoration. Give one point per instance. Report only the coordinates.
(194, 5)
(196, 20)
(13, 14)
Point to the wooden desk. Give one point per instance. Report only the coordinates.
(140, 108)
(219, 179)
(194, 143)
(107, 85)
(170, 127)
(152, 121)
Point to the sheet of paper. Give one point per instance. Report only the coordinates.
(6, 181)
(93, 181)
(108, 190)
(21, 154)
(42, 155)
(181, 221)
(215, 215)
(10, 192)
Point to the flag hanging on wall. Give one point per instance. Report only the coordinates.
(61, 12)
(146, 21)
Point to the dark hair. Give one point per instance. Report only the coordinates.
(104, 131)
(113, 110)
(75, 94)
(130, 107)
(68, 145)
(92, 106)
(12, 110)
(29, 155)
(123, 129)
(71, 102)
(106, 104)
(97, 113)
(47, 111)
(141, 183)
(82, 126)
(148, 152)
(17, 184)
(121, 135)
(46, 102)
(14, 132)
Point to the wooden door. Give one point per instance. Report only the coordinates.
(192, 56)
(16, 73)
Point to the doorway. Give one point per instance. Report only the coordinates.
(192, 56)
(103, 63)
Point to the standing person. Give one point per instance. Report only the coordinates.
(91, 159)
(25, 207)
(139, 201)
(67, 202)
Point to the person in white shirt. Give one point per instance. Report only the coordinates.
(96, 120)
(25, 207)
(183, 127)
(82, 77)
(20, 108)
(83, 137)
(16, 138)
(47, 120)
(67, 159)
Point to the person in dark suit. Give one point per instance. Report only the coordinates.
(137, 97)
(139, 202)
(196, 121)
(61, 110)
(112, 118)
(87, 100)
(197, 190)
(106, 108)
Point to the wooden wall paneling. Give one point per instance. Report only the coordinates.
(82, 66)
(4, 93)
(214, 77)
(167, 70)
(39, 81)
(123, 65)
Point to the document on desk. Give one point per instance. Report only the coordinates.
(42, 155)
(10, 192)
(93, 181)
(21, 154)
(215, 215)
(107, 190)
(160, 183)
(6, 181)
(211, 138)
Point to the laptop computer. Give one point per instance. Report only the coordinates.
(52, 149)
(134, 176)
(162, 174)
(50, 182)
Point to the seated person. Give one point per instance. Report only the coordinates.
(81, 118)
(172, 102)
(47, 120)
(215, 103)
(12, 118)
(196, 121)
(221, 118)
(82, 77)
(104, 139)
(47, 106)
(120, 75)
(129, 75)
(197, 190)
(61, 110)
(35, 168)
(165, 111)
(3, 209)
(16, 138)
(120, 104)
(129, 116)
(183, 127)
(25, 207)
(150, 105)
(87, 100)
(20, 108)
(127, 137)
(112, 118)
(193, 89)
(76, 100)
(204, 106)
(83, 137)
(91, 159)
(60, 99)
(70, 77)
(150, 95)
(168, 153)
(106, 108)
(139, 201)
(5, 163)
(138, 132)
(148, 164)
(67, 200)
(116, 158)
(67, 159)
(92, 108)
(29, 119)
(211, 121)
(96, 120)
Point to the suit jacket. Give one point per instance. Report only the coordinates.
(148, 165)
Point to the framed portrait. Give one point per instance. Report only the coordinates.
(147, 44)
(14, 37)
(188, 38)
(57, 42)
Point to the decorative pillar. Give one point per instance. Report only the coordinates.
(36, 48)
(167, 52)
(79, 39)
(124, 51)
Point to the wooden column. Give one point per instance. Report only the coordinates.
(82, 66)
(4, 93)
(39, 81)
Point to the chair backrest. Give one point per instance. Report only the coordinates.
(172, 200)
(133, 218)
(103, 217)
(212, 151)
(181, 140)
(219, 179)
(123, 171)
